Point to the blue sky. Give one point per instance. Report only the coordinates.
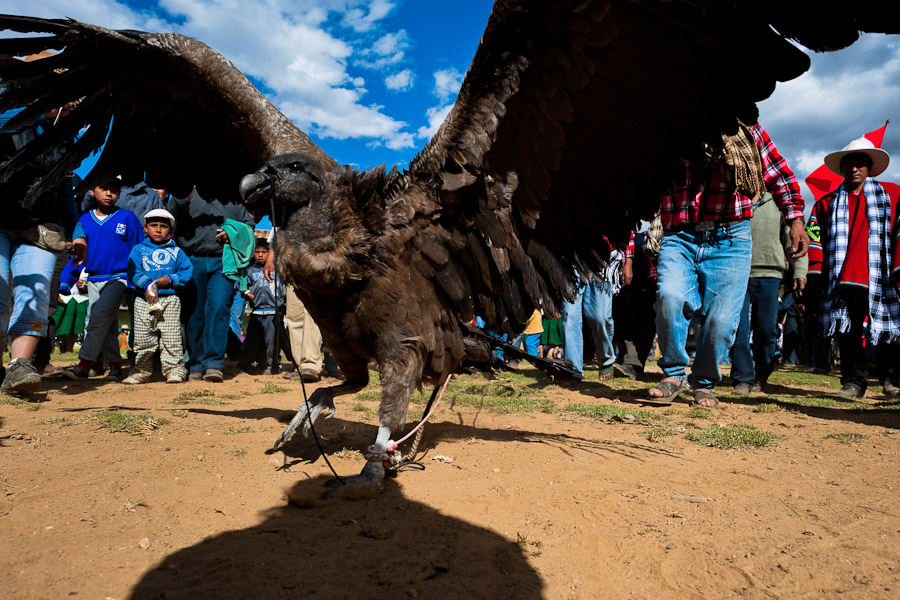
(370, 80)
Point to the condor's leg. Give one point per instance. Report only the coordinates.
(400, 374)
(357, 376)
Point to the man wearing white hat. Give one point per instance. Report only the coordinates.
(854, 249)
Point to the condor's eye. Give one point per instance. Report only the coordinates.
(295, 167)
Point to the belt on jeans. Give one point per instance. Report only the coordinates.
(704, 226)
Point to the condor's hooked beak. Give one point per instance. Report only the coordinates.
(255, 187)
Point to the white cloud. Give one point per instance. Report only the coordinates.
(447, 83)
(844, 95)
(435, 116)
(283, 44)
(399, 82)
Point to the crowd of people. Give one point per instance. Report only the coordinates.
(723, 263)
(730, 272)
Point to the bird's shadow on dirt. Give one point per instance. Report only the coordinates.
(386, 546)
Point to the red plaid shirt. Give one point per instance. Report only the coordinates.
(694, 201)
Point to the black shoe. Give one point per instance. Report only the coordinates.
(115, 374)
(77, 372)
(21, 377)
(852, 391)
(625, 369)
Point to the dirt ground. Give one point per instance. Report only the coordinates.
(520, 505)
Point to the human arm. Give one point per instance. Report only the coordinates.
(780, 180)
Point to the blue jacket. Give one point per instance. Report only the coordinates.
(264, 300)
(148, 262)
(109, 242)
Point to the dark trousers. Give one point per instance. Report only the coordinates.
(759, 315)
(853, 355)
(635, 319)
(261, 343)
(207, 306)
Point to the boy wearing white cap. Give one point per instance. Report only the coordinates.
(853, 247)
(157, 267)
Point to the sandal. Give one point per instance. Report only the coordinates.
(705, 395)
(605, 374)
(669, 391)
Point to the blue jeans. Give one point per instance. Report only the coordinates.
(703, 277)
(25, 274)
(209, 297)
(762, 296)
(594, 301)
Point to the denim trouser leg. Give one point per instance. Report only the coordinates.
(573, 340)
(597, 307)
(25, 274)
(196, 320)
(764, 321)
(209, 323)
(702, 275)
(741, 355)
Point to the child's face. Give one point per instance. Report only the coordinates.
(158, 231)
(106, 195)
(261, 254)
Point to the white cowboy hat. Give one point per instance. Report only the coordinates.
(880, 158)
(160, 213)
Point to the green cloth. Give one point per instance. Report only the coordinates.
(552, 335)
(237, 254)
(772, 243)
(69, 317)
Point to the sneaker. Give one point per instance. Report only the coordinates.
(852, 391)
(77, 372)
(175, 379)
(891, 390)
(309, 375)
(195, 376)
(758, 386)
(21, 376)
(213, 375)
(115, 374)
(97, 370)
(134, 380)
(741, 389)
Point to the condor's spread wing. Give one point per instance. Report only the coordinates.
(576, 114)
(169, 109)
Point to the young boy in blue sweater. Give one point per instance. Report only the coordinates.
(157, 267)
(102, 240)
(261, 342)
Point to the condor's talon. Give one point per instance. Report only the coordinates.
(308, 413)
(364, 485)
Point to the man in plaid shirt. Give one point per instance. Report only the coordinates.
(704, 260)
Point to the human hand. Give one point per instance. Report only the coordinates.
(163, 282)
(799, 239)
(269, 267)
(79, 251)
(627, 272)
(222, 237)
(799, 285)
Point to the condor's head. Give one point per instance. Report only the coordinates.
(297, 184)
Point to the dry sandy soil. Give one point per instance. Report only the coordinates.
(518, 505)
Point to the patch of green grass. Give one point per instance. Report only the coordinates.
(205, 397)
(803, 380)
(660, 433)
(816, 401)
(237, 396)
(19, 402)
(606, 411)
(767, 408)
(846, 437)
(117, 422)
(502, 404)
(271, 388)
(529, 548)
(61, 421)
(235, 430)
(698, 412)
(733, 436)
(180, 413)
(369, 395)
(238, 452)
